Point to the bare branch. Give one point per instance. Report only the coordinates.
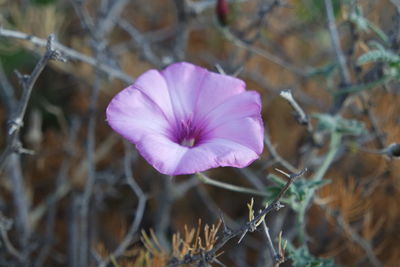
(344, 72)
(142, 198)
(263, 53)
(141, 42)
(70, 54)
(5, 226)
(14, 145)
(275, 155)
(277, 258)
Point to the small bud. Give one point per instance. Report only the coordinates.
(393, 150)
(222, 12)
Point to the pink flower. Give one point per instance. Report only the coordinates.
(186, 119)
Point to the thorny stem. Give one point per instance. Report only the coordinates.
(27, 83)
(275, 256)
(205, 179)
(14, 144)
(247, 227)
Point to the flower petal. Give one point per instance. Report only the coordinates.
(162, 153)
(172, 159)
(184, 82)
(215, 153)
(216, 89)
(152, 84)
(238, 120)
(239, 106)
(133, 115)
(247, 131)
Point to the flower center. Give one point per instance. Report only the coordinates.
(188, 142)
(187, 133)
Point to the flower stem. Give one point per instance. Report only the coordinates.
(318, 176)
(207, 180)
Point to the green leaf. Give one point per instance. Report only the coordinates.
(43, 2)
(363, 24)
(378, 55)
(295, 194)
(329, 123)
(364, 86)
(325, 70)
(314, 10)
(19, 59)
(301, 257)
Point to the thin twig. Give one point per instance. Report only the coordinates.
(110, 14)
(251, 177)
(13, 144)
(344, 72)
(70, 54)
(275, 155)
(396, 3)
(301, 115)
(228, 234)
(91, 176)
(27, 82)
(141, 42)
(275, 256)
(318, 176)
(263, 53)
(5, 226)
(20, 198)
(52, 200)
(207, 180)
(142, 198)
(182, 34)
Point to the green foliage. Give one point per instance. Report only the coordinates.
(363, 24)
(325, 70)
(19, 59)
(379, 55)
(312, 10)
(43, 2)
(297, 192)
(329, 123)
(301, 257)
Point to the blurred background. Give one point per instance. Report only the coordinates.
(74, 193)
